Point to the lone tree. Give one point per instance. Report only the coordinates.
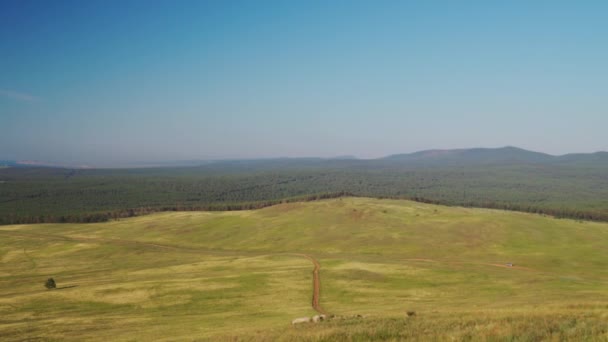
(50, 284)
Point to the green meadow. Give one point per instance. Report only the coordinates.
(238, 275)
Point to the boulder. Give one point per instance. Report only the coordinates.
(301, 320)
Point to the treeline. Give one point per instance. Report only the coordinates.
(557, 213)
(55, 195)
(132, 212)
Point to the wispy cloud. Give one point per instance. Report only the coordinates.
(15, 95)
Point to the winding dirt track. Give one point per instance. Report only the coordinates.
(316, 283)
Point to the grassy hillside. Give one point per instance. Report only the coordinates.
(225, 275)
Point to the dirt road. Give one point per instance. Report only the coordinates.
(316, 283)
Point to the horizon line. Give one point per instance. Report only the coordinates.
(167, 163)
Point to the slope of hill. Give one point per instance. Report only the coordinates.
(505, 155)
(590, 159)
(241, 276)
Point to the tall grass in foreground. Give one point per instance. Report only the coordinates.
(589, 325)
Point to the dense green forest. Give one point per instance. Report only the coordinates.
(575, 187)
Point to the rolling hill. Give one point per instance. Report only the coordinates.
(466, 273)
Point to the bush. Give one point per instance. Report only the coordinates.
(50, 284)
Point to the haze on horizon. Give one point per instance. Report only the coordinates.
(114, 82)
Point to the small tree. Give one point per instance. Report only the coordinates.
(50, 284)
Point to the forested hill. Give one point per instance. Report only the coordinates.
(488, 156)
(474, 156)
(574, 185)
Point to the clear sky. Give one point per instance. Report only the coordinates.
(110, 82)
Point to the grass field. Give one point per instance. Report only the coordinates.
(236, 275)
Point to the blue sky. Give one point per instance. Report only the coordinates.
(111, 82)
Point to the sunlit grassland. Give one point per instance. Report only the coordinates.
(210, 275)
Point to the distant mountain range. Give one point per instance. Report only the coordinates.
(475, 155)
(469, 156)
(503, 155)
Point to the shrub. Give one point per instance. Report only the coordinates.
(50, 284)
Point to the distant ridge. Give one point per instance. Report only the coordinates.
(437, 157)
(502, 155)
(507, 154)
(346, 157)
(584, 157)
